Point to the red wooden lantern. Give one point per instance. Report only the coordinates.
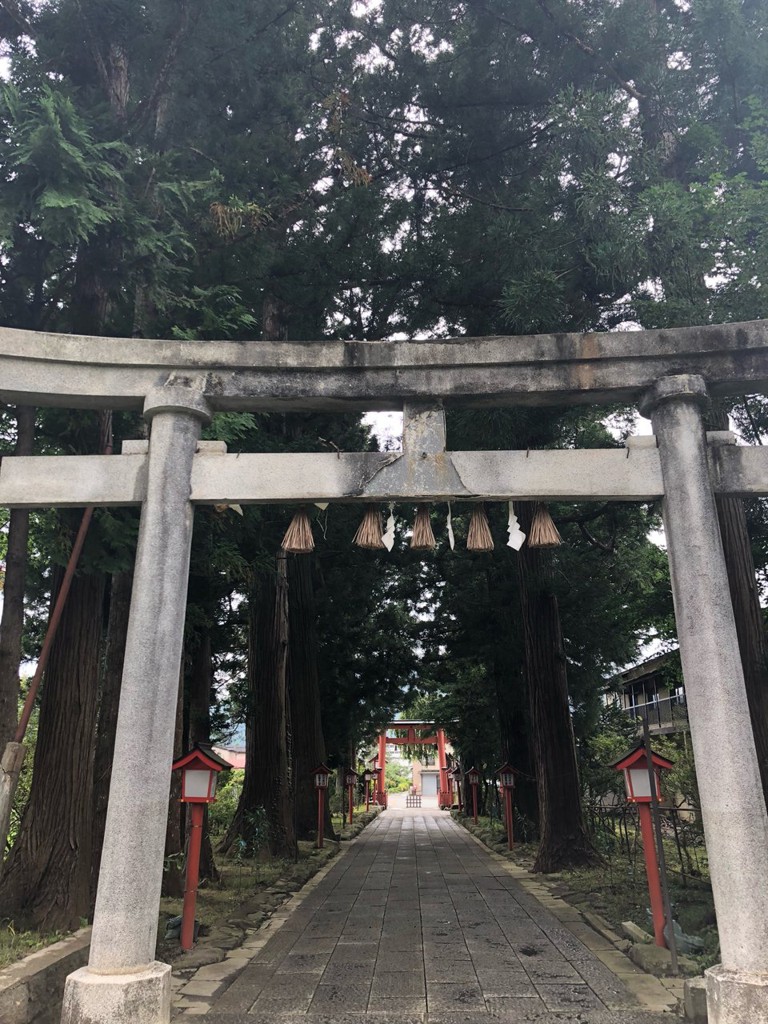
(350, 781)
(636, 774)
(368, 777)
(199, 770)
(506, 776)
(637, 778)
(456, 776)
(321, 774)
(473, 777)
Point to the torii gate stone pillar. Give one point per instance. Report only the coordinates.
(732, 804)
(123, 981)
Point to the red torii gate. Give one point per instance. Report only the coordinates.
(414, 734)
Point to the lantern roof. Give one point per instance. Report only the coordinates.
(323, 769)
(350, 771)
(203, 754)
(472, 771)
(506, 769)
(637, 754)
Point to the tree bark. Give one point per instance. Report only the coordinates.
(47, 880)
(304, 692)
(564, 842)
(109, 699)
(742, 582)
(12, 622)
(266, 783)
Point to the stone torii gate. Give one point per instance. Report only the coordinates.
(668, 374)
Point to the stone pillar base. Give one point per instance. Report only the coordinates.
(736, 997)
(140, 998)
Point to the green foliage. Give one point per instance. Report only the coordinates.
(222, 810)
(398, 777)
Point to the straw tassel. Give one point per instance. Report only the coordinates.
(423, 538)
(479, 535)
(298, 537)
(543, 532)
(369, 531)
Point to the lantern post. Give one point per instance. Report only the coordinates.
(473, 777)
(350, 781)
(199, 770)
(456, 776)
(368, 777)
(643, 782)
(321, 774)
(507, 779)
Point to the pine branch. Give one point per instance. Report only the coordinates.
(591, 52)
(149, 106)
(93, 46)
(17, 16)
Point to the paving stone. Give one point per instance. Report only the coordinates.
(354, 953)
(351, 996)
(567, 997)
(512, 1009)
(304, 963)
(454, 996)
(405, 984)
(507, 984)
(399, 960)
(393, 1007)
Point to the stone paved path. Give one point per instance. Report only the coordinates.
(419, 923)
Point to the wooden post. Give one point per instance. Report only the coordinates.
(508, 816)
(193, 875)
(320, 817)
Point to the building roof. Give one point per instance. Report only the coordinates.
(235, 757)
(644, 669)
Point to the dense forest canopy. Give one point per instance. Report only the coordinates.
(305, 170)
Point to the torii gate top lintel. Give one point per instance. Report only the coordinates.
(73, 371)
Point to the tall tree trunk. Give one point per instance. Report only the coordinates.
(109, 699)
(200, 684)
(304, 692)
(266, 783)
(515, 741)
(12, 622)
(564, 842)
(750, 629)
(47, 880)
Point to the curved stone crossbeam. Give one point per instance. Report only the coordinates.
(553, 369)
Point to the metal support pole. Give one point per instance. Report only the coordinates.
(732, 806)
(193, 877)
(122, 980)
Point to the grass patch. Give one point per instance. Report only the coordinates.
(14, 945)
